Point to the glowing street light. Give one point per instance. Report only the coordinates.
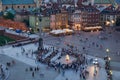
(107, 22)
(113, 21)
(107, 50)
(109, 58)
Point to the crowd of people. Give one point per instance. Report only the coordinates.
(80, 65)
(3, 72)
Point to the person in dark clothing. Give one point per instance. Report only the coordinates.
(32, 74)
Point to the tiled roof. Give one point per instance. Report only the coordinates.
(88, 8)
(110, 10)
(117, 1)
(102, 1)
(12, 24)
(7, 2)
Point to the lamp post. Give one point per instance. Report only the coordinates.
(95, 62)
(107, 50)
(108, 70)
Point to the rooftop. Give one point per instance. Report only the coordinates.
(15, 2)
(117, 1)
(102, 1)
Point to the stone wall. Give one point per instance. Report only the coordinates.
(16, 37)
(2, 32)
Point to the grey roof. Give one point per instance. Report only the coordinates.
(10, 2)
(117, 1)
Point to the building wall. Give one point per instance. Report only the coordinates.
(90, 19)
(32, 22)
(0, 6)
(36, 24)
(64, 18)
(76, 19)
(20, 18)
(16, 7)
(59, 20)
(45, 22)
(52, 21)
(108, 19)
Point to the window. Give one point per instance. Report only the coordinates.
(23, 6)
(6, 7)
(29, 6)
(18, 6)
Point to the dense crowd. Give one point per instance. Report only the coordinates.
(80, 65)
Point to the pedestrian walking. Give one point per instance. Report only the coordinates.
(66, 78)
(17, 54)
(33, 74)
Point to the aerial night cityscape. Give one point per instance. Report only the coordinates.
(59, 39)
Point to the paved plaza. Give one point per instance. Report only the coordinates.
(24, 61)
(98, 49)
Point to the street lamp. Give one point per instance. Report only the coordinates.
(107, 50)
(107, 66)
(113, 21)
(95, 62)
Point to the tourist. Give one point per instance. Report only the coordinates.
(63, 72)
(32, 74)
(31, 69)
(13, 62)
(26, 69)
(17, 54)
(37, 68)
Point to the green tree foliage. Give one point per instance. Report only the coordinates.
(8, 15)
(26, 22)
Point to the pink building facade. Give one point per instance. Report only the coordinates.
(52, 21)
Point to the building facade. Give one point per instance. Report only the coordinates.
(0, 5)
(59, 20)
(75, 20)
(90, 16)
(36, 24)
(17, 4)
(109, 15)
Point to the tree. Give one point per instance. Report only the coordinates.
(8, 15)
(26, 22)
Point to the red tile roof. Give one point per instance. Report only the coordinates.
(12, 24)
